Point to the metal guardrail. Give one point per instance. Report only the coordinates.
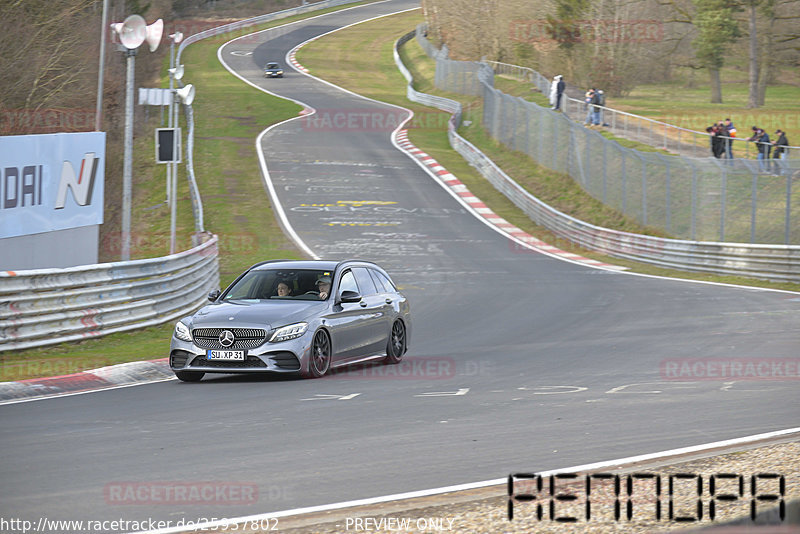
(772, 262)
(48, 306)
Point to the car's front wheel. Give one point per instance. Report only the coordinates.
(320, 357)
(189, 376)
(397, 343)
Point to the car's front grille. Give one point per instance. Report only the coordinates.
(285, 360)
(243, 338)
(251, 362)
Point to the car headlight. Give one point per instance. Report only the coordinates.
(182, 332)
(289, 332)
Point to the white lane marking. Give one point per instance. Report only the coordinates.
(461, 391)
(475, 485)
(322, 396)
(553, 390)
(669, 385)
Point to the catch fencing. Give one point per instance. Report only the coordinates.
(683, 141)
(698, 199)
(775, 262)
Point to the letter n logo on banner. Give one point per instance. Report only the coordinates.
(82, 186)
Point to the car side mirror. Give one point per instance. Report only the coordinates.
(213, 295)
(349, 296)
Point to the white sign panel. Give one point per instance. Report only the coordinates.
(51, 182)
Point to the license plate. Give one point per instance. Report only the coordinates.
(226, 355)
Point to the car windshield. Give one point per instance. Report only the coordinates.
(278, 284)
(272, 66)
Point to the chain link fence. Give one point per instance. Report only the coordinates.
(695, 198)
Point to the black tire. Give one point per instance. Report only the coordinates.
(320, 357)
(189, 376)
(396, 346)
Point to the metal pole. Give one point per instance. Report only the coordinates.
(788, 206)
(127, 168)
(98, 113)
(753, 208)
(171, 99)
(173, 201)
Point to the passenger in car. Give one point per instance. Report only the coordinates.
(284, 290)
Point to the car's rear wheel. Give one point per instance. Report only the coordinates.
(189, 376)
(320, 357)
(397, 343)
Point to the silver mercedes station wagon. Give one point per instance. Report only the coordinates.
(304, 317)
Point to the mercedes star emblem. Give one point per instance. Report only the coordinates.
(226, 338)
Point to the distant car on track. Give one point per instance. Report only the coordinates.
(273, 70)
(286, 316)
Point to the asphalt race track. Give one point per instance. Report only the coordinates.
(518, 361)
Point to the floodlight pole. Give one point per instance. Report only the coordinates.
(98, 113)
(169, 118)
(127, 168)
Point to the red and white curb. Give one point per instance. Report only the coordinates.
(293, 60)
(457, 187)
(111, 377)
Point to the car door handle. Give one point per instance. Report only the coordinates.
(388, 301)
(363, 304)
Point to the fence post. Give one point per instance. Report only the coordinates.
(693, 223)
(644, 189)
(788, 206)
(624, 184)
(753, 209)
(605, 172)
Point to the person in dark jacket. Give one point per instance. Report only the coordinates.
(781, 144)
(717, 142)
(780, 151)
(560, 87)
(761, 139)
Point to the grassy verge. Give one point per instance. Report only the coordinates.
(229, 115)
(378, 78)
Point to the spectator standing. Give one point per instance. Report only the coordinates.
(722, 134)
(781, 150)
(596, 107)
(601, 101)
(761, 139)
(781, 144)
(560, 87)
(553, 91)
(731, 133)
(588, 98)
(717, 146)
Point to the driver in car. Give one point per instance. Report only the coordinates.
(324, 287)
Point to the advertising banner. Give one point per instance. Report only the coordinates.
(51, 182)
